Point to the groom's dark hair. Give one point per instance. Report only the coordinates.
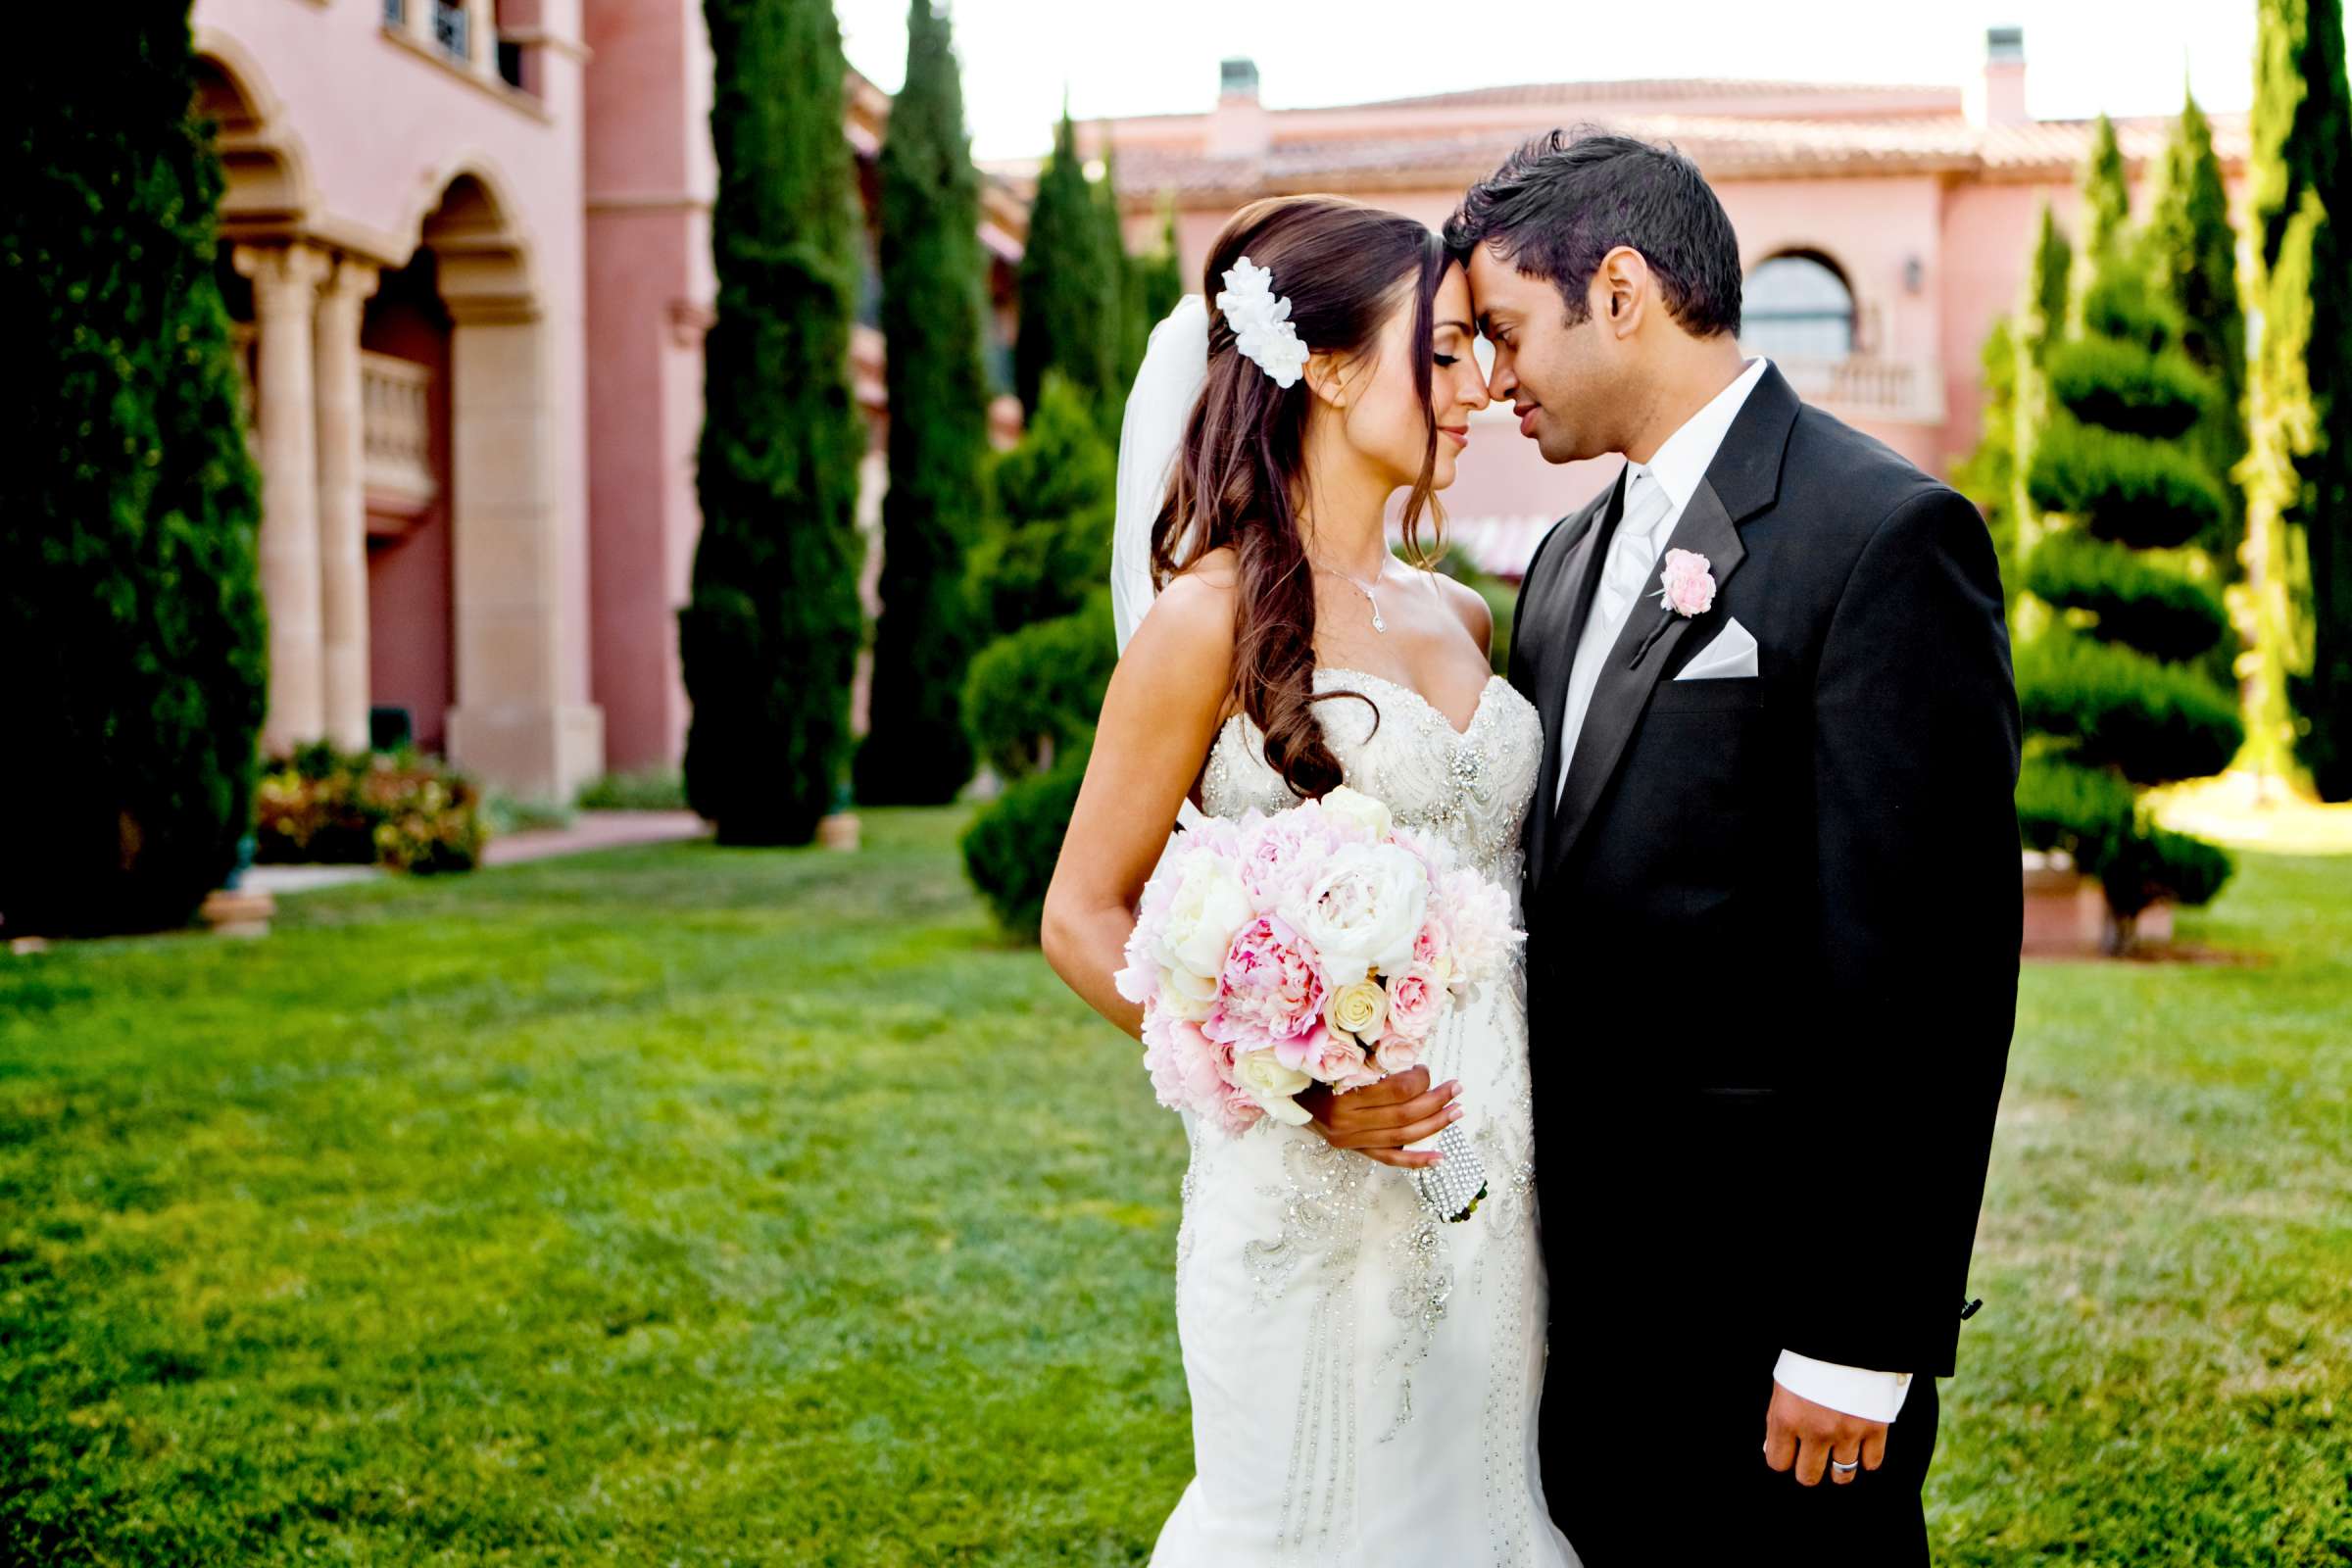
(1565, 200)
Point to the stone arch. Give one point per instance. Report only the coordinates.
(269, 188)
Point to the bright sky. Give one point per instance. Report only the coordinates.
(1129, 57)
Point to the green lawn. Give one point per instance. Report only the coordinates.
(697, 1207)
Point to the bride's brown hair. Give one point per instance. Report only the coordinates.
(1241, 470)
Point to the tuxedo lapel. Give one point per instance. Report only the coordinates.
(1570, 590)
(1643, 649)
(1741, 481)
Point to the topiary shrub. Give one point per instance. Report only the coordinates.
(1036, 693)
(1010, 850)
(2117, 686)
(132, 629)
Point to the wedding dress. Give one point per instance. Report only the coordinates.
(1364, 1376)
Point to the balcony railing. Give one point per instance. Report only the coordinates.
(1863, 386)
(396, 442)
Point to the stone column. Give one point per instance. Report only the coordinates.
(342, 505)
(286, 292)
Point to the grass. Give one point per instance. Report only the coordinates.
(696, 1206)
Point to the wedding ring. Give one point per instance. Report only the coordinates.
(1848, 1469)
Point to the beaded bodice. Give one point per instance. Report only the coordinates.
(1471, 788)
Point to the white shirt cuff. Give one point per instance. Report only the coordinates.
(1852, 1389)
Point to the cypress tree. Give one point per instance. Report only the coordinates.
(933, 277)
(2193, 252)
(2302, 181)
(132, 625)
(1069, 286)
(769, 635)
(2116, 688)
(1158, 283)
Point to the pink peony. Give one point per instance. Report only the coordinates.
(1478, 919)
(1270, 994)
(1688, 588)
(1280, 855)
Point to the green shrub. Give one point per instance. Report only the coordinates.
(2122, 487)
(398, 810)
(134, 665)
(1010, 848)
(2150, 607)
(2121, 386)
(504, 813)
(655, 789)
(1036, 693)
(2153, 722)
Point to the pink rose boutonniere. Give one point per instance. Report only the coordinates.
(1686, 585)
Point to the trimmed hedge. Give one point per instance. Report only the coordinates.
(2153, 607)
(2159, 863)
(2121, 386)
(1010, 851)
(1036, 693)
(2154, 723)
(2122, 487)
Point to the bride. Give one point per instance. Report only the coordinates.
(1363, 1376)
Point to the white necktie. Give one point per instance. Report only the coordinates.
(1633, 556)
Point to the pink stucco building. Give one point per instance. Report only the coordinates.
(1883, 229)
(467, 246)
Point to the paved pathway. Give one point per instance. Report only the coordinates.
(588, 830)
(595, 830)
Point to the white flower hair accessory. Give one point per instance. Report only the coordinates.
(1260, 321)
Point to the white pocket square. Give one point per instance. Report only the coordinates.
(1731, 654)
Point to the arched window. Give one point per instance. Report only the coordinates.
(1798, 307)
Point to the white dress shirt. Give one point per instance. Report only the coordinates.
(1656, 494)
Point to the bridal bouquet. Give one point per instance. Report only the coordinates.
(1321, 945)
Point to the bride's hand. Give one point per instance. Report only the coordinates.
(1379, 1120)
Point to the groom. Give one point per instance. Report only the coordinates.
(1772, 894)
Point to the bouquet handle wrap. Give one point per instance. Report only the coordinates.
(1451, 1188)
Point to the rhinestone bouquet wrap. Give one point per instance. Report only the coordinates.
(1320, 944)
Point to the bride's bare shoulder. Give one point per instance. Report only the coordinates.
(1187, 636)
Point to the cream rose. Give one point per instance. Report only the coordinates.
(1358, 812)
(1271, 1086)
(1359, 1009)
(1210, 905)
(1363, 911)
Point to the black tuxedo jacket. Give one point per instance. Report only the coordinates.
(1774, 922)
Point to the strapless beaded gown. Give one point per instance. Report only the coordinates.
(1364, 1377)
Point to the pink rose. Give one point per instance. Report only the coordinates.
(1415, 1000)
(1339, 1062)
(1269, 994)
(1430, 944)
(1688, 587)
(1395, 1054)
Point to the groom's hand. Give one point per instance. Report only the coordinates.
(1808, 1435)
(1379, 1120)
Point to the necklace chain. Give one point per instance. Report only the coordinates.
(1371, 597)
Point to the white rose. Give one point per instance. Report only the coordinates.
(1209, 907)
(1352, 810)
(1258, 1074)
(1363, 911)
(1185, 995)
(1359, 1009)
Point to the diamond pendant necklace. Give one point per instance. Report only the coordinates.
(1370, 597)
